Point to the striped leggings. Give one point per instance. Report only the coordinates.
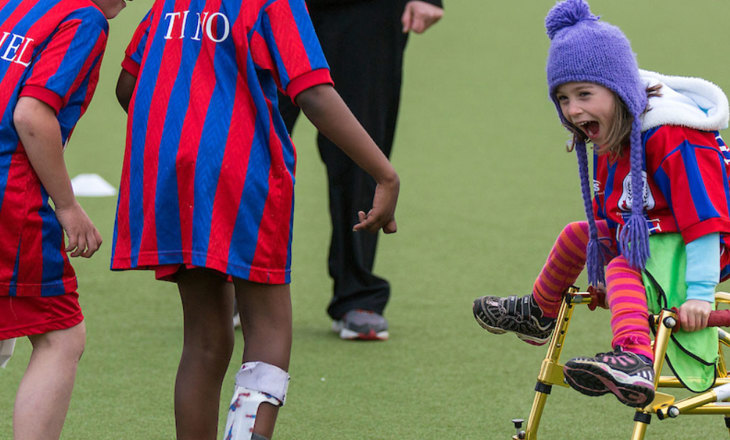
(625, 292)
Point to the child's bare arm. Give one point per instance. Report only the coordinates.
(40, 135)
(125, 87)
(325, 108)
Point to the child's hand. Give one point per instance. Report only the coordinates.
(693, 314)
(83, 237)
(382, 215)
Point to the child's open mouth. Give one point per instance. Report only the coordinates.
(590, 128)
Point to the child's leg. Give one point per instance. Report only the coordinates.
(207, 347)
(266, 321)
(627, 371)
(532, 317)
(626, 298)
(45, 390)
(563, 265)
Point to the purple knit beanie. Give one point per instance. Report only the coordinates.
(582, 49)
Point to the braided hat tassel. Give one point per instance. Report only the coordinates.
(634, 236)
(594, 250)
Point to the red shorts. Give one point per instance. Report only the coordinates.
(168, 272)
(35, 315)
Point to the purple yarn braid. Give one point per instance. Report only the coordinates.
(594, 255)
(634, 236)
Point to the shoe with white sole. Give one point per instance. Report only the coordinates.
(361, 325)
(622, 373)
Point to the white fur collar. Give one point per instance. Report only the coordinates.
(685, 101)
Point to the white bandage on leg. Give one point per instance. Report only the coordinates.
(256, 382)
(263, 377)
(6, 351)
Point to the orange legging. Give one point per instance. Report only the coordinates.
(625, 293)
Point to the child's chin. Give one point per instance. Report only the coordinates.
(600, 150)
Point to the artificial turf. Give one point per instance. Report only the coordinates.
(486, 185)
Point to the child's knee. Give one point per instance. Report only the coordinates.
(74, 342)
(573, 228)
(620, 264)
(210, 350)
(69, 343)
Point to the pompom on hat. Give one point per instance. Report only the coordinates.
(585, 49)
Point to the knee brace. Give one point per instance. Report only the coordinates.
(256, 383)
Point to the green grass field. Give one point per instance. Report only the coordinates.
(486, 185)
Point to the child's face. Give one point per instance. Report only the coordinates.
(588, 106)
(110, 8)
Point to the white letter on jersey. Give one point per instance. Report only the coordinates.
(185, 22)
(209, 26)
(172, 16)
(19, 60)
(12, 47)
(201, 22)
(11, 52)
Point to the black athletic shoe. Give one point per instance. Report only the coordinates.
(512, 314)
(620, 372)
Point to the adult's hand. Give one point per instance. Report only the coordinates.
(419, 16)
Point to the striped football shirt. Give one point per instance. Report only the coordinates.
(50, 50)
(208, 174)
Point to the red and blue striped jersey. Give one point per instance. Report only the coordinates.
(208, 174)
(687, 172)
(50, 50)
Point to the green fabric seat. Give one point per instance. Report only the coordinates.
(692, 356)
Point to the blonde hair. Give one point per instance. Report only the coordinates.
(619, 132)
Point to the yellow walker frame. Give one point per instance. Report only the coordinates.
(664, 405)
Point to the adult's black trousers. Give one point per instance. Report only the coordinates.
(364, 45)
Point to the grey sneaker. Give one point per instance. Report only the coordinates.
(363, 325)
(512, 314)
(620, 372)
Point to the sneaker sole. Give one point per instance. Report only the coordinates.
(372, 335)
(349, 335)
(532, 340)
(596, 379)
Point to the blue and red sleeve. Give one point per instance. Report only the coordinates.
(692, 174)
(285, 43)
(70, 61)
(135, 50)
